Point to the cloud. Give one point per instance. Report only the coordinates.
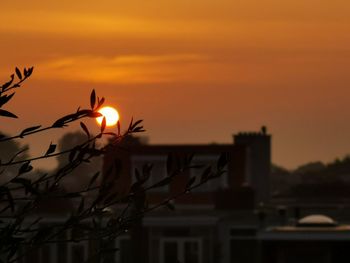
(122, 69)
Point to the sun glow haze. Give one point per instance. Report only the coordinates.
(111, 114)
(283, 64)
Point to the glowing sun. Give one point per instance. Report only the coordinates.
(111, 114)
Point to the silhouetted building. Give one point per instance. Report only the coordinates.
(201, 227)
(231, 218)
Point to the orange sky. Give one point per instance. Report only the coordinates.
(195, 71)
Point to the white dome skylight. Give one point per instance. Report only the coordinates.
(316, 220)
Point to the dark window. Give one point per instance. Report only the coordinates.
(170, 252)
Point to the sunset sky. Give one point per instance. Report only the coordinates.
(196, 71)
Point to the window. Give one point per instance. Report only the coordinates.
(158, 171)
(184, 250)
(212, 184)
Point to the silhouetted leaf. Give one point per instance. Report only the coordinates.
(8, 84)
(83, 126)
(35, 222)
(138, 129)
(206, 174)
(25, 168)
(190, 182)
(5, 98)
(93, 179)
(100, 102)
(61, 121)
(189, 159)
(12, 252)
(131, 123)
(92, 99)
(95, 114)
(51, 149)
(28, 130)
(222, 162)
(80, 113)
(134, 125)
(18, 153)
(165, 181)
(18, 73)
(103, 124)
(30, 71)
(7, 114)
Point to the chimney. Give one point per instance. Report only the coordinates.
(258, 162)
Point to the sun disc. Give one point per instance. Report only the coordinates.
(111, 115)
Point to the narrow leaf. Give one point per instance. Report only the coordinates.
(93, 179)
(25, 168)
(61, 121)
(73, 154)
(95, 114)
(83, 126)
(165, 181)
(4, 99)
(190, 182)
(131, 123)
(222, 162)
(7, 84)
(92, 99)
(135, 124)
(51, 149)
(100, 102)
(18, 73)
(6, 113)
(28, 130)
(30, 71)
(103, 124)
(206, 174)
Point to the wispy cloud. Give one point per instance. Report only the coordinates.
(122, 69)
(77, 24)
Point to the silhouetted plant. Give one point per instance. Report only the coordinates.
(93, 214)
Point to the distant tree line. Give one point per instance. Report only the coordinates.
(313, 180)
